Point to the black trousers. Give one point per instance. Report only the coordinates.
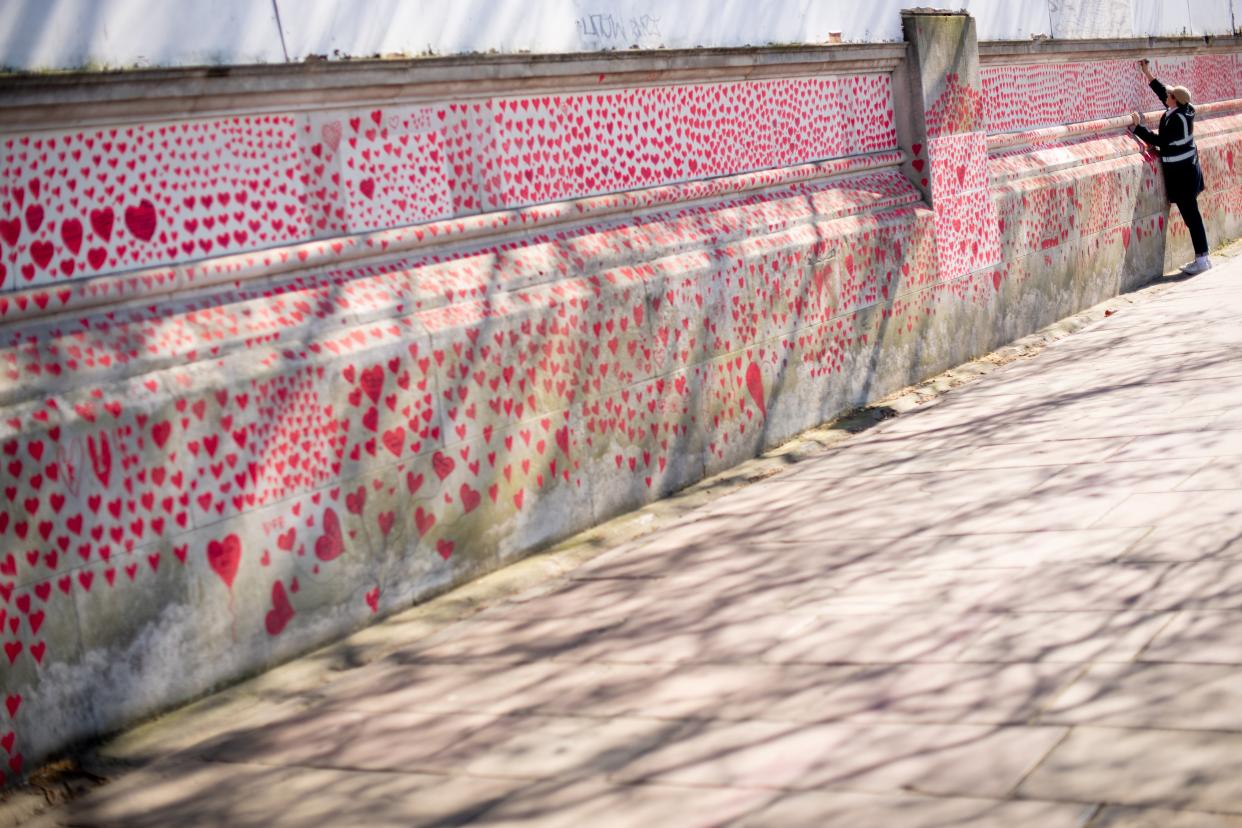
(1189, 208)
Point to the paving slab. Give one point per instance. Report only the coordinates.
(1211, 541)
(1199, 637)
(937, 693)
(1219, 473)
(522, 747)
(1176, 696)
(795, 692)
(1066, 637)
(875, 634)
(961, 760)
(852, 810)
(210, 795)
(1171, 769)
(1119, 817)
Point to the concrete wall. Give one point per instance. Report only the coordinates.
(269, 372)
(36, 34)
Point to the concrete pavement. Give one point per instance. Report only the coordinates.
(1020, 605)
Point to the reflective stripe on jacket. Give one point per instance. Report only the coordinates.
(1175, 139)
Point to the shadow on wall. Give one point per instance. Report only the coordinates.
(309, 419)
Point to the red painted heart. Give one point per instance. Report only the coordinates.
(281, 613)
(754, 384)
(101, 222)
(10, 231)
(331, 544)
(224, 557)
(71, 234)
(42, 252)
(141, 220)
(372, 382)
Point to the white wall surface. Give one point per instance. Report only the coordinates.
(38, 34)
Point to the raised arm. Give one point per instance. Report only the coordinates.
(1156, 86)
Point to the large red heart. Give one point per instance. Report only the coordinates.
(443, 465)
(469, 498)
(10, 230)
(141, 220)
(423, 520)
(394, 440)
(281, 612)
(101, 457)
(330, 545)
(34, 217)
(372, 382)
(160, 432)
(71, 234)
(754, 384)
(101, 222)
(41, 252)
(224, 557)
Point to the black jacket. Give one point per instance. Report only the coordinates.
(1183, 177)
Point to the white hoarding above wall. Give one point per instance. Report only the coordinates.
(56, 34)
(330, 27)
(1213, 17)
(605, 24)
(41, 34)
(1095, 18)
(1172, 18)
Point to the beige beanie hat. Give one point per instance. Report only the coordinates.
(1180, 94)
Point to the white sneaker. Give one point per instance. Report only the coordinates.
(1197, 266)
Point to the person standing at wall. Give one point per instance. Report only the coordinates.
(1183, 177)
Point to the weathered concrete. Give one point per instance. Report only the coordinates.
(1016, 594)
(404, 372)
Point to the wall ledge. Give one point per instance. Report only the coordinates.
(75, 99)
